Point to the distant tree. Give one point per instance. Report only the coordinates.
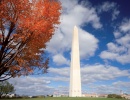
(114, 96)
(25, 27)
(111, 95)
(6, 88)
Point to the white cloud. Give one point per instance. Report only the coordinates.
(124, 58)
(109, 7)
(120, 49)
(74, 14)
(106, 89)
(108, 55)
(124, 86)
(124, 40)
(125, 26)
(88, 44)
(40, 85)
(64, 71)
(115, 14)
(67, 5)
(31, 85)
(57, 78)
(59, 59)
(115, 48)
(111, 88)
(122, 29)
(55, 46)
(117, 34)
(93, 73)
(106, 6)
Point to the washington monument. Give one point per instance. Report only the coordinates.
(75, 78)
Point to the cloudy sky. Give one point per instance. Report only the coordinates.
(104, 39)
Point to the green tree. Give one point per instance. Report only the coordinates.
(6, 88)
(114, 96)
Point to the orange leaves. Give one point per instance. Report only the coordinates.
(43, 16)
(15, 68)
(0, 35)
(31, 24)
(41, 22)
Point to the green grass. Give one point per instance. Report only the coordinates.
(66, 98)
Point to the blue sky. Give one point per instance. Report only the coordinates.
(104, 39)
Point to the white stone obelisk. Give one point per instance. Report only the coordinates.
(75, 78)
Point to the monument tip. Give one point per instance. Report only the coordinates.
(75, 26)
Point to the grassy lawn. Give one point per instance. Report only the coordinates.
(65, 98)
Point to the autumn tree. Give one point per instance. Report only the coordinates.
(25, 27)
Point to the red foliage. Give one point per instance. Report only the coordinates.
(25, 27)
